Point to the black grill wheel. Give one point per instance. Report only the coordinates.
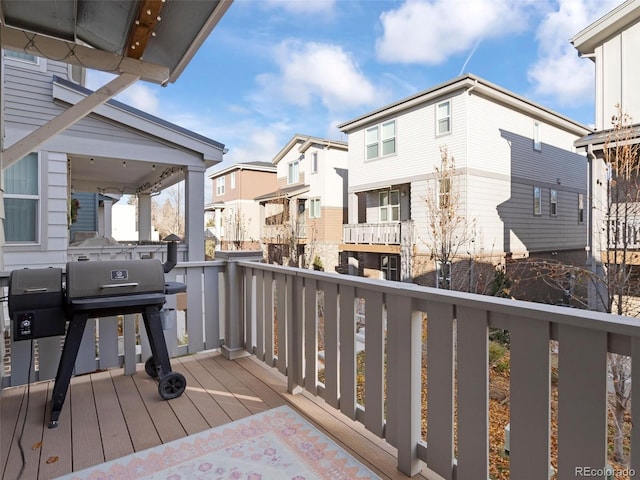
(172, 385)
(150, 367)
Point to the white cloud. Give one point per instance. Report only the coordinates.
(558, 72)
(140, 95)
(430, 31)
(309, 71)
(303, 6)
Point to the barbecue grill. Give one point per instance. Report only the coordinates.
(97, 289)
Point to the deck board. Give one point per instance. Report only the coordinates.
(108, 415)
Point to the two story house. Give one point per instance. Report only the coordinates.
(520, 184)
(302, 219)
(236, 214)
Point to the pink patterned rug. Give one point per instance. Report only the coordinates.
(274, 445)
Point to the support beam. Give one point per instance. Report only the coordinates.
(194, 212)
(78, 111)
(144, 217)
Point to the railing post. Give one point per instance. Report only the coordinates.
(234, 315)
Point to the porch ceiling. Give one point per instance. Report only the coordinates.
(154, 39)
(114, 175)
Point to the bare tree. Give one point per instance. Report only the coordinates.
(168, 217)
(448, 229)
(236, 227)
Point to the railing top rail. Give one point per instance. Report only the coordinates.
(537, 311)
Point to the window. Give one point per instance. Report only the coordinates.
(24, 57)
(443, 118)
(537, 144)
(384, 134)
(232, 181)
(580, 208)
(553, 202)
(389, 206)
(389, 267)
(220, 186)
(314, 208)
(443, 275)
(537, 201)
(294, 172)
(21, 183)
(314, 162)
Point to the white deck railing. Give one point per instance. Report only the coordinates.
(372, 233)
(624, 234)
(273, 312)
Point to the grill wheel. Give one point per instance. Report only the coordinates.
(171, 385)
(150, 367)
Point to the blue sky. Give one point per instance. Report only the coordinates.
(273, 68)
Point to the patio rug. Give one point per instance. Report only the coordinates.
(277, 444)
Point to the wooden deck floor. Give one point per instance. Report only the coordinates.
(108, 415)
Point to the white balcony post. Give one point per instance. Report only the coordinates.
(144, 217)
(194, 213)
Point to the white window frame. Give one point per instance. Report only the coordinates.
(443, 119)
(392, 268)
(314, 207)
(537, 200)
(381, 141)
(581, 208)
(232, 180)
(553, 202)
(388, 210)
(23, 60)
(314, 162)
(220, 186)
(37, 197)
(293, 172)
(537, 142)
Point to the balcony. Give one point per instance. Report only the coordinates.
(283, 233)
(372, 233)
(266, 328)
(624, 234)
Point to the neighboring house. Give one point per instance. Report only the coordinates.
(302, 219)
(613, 44)
(521, 185)
(236, 214)
(113, 151)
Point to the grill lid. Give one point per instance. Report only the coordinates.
(114, 278)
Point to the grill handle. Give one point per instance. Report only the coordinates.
(36, 289)
(118, 285)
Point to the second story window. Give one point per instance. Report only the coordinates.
(443, 118)
(381, 140)
(314, 162)
(24, 57)
(537, 143)
(580, 208)
(293, 175)
(389, 206)
(220, 186)
(232, 179)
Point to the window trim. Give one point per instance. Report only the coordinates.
(553, 202)
(220, 186)
(389, 207)
(315, 208)
(37, 197)
(295, 164)
(537, 200)
(537, 143)
(448, 117)
(39, 64)
(381, 141)
(386, 271)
